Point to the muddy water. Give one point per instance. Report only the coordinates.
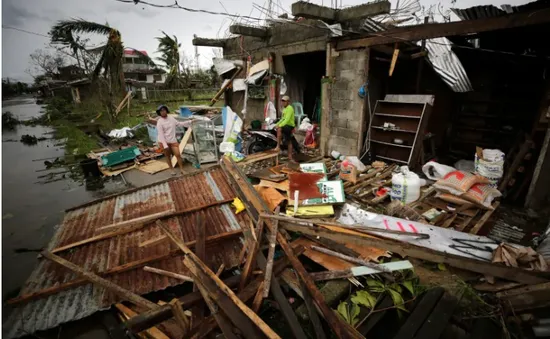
(30, 210)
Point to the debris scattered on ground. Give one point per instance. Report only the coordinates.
(9, 122)
(28, 139)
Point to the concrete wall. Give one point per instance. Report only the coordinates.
(346, 105)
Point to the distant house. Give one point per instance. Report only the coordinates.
(70, 73)
(137, 70)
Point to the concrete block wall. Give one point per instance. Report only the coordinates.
(346, 107)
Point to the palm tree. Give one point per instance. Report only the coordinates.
(66, 39)
(170, 54)
(111, 55)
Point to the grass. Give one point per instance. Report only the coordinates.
(69, 120)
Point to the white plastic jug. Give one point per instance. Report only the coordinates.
(406, 186)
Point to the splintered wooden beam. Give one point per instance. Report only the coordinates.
(270, 255)
(240, 314)
(168, 274)
(250, 291)
(250, 258)
(223, 323)
(115, 270)
(340, 328)
(127, 295)
(152, 332)
(179, 315)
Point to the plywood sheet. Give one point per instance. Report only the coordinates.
(332, 263)
(154, 166)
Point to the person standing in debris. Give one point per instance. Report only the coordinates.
(285, 126)
(166, 131)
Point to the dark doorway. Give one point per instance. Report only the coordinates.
(303, 79)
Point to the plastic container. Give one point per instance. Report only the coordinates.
(185, 112)
(406, 186)
(90, 168)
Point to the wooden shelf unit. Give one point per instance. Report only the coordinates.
(410, 120)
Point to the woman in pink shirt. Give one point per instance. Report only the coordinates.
(166, 131)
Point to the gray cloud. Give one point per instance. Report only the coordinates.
(139, 24)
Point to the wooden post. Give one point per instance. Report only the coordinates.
(127, 295)
(220, 292)
(365, 116)
(325, 102)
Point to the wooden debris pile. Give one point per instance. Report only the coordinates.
(230, 304)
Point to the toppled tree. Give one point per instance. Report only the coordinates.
(110, 61)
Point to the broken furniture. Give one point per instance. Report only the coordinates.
(397, 129)
(204, 148)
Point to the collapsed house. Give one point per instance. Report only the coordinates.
(485, 73)
(406, 95)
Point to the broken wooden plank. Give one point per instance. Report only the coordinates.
(340, 328)
(200, 252)
(351, 259)
(220, 318)
(153, 332)
(180, 316)
(276, 291)
(127, 295)
(183, 143)
(115, 270)
(272, 239)
(484, 219)
(354, 227)
(153, 242)
(168, 274)
(360, 271)
(220, 269)
(526, 298)
(134, 225)
(257, 302)
(208, 277)
(419, 252)
(250, 258)
(312, 311)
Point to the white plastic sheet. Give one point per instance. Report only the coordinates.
(440, 238)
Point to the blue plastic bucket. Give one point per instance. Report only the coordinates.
(185, 112)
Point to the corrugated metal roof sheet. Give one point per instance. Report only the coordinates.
(81, 223)
(443, 60)
(490, 11)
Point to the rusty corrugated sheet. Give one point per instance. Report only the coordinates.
(81, 223)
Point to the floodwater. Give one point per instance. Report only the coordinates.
(31, 210)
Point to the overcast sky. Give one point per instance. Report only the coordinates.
(139, 24)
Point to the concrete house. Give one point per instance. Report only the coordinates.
(136, 69)
(483, 72)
